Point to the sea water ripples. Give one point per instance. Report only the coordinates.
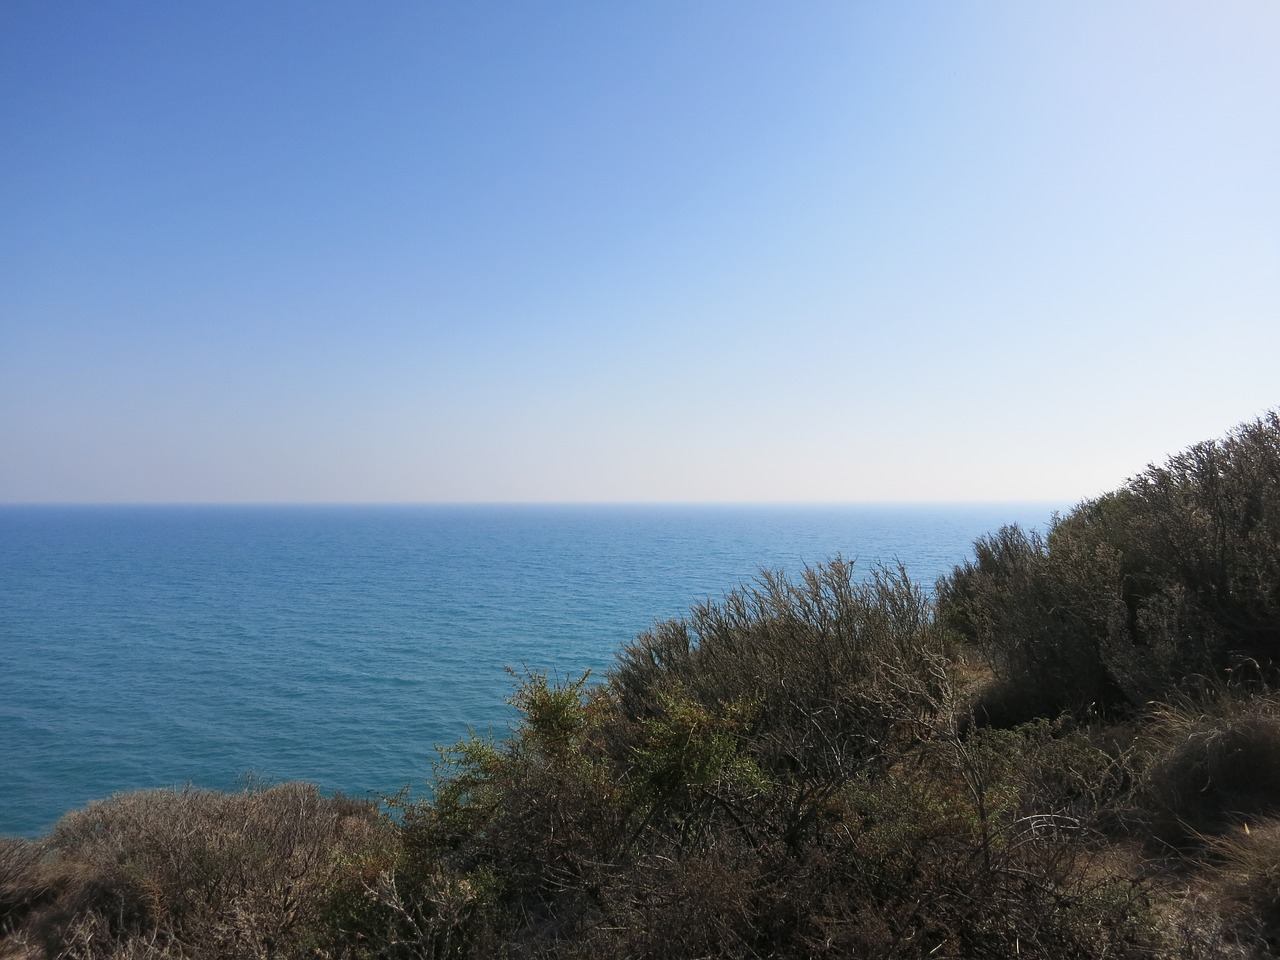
(158, 646)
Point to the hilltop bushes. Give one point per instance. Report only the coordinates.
(1170, 581)
(1076, 755)
(781, 774)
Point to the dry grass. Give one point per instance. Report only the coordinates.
(1211, 768)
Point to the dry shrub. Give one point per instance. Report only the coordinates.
(424, 916)
(196, 873)
(705, 906)
(987, 846)
(1211, 769)
(1223, 903)
(23, 884)
(1244, 878)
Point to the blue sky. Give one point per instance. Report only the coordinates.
(582, 251)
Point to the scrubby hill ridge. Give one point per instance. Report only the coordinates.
(1073, 752)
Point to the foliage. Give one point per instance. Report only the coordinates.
(1043, 619)
(194, 873)
(1210, 766)
(816, 767)
(785, 773)
(1175, 576)
(833, 670)
(23, 884)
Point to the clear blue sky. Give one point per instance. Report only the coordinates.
(587, 251)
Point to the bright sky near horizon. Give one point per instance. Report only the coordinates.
(659, 251)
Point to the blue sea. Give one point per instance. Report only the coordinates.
(161, 646)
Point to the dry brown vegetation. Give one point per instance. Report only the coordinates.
(191, 873)
(1074, 752)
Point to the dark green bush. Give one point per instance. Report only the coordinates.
(1175, 576)
(1204, 560)
(1046, 615)
(831, 670)
(782, 774)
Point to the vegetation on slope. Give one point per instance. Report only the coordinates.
(1073, 753)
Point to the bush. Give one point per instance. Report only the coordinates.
(1204, 558)
(1211, 769)
(23, 884)
(782, 774)
(1044, 614)
(1175, 576)
(832, 671)
(196, 873)
(531, 825)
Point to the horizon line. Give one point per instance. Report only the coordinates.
(993, 501)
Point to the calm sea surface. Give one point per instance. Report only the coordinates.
(158, 646)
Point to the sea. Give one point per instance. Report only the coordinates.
(164, 646)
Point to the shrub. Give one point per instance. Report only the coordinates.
(1205, 536)
(536, 822)
(1043, 614)
(197, 873)
(1176, 575)
(782, 774)
(23, 884)
(1211, 768)
(1243, 883)
(669, 811)
(976, 848)
(831, 670)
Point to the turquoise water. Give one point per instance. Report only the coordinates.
(158, 646)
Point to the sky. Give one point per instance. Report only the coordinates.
(577, 251)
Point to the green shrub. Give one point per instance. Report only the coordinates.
(543, 815)
(1206, 535)
(782, 774)
(834, 669)
(1175, 576)
(1044, 614)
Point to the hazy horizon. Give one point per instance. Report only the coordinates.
(663, 253)
(639, 504)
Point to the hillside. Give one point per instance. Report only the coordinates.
(1069, 749)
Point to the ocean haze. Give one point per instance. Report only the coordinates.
(299, 252)
(156, 646)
